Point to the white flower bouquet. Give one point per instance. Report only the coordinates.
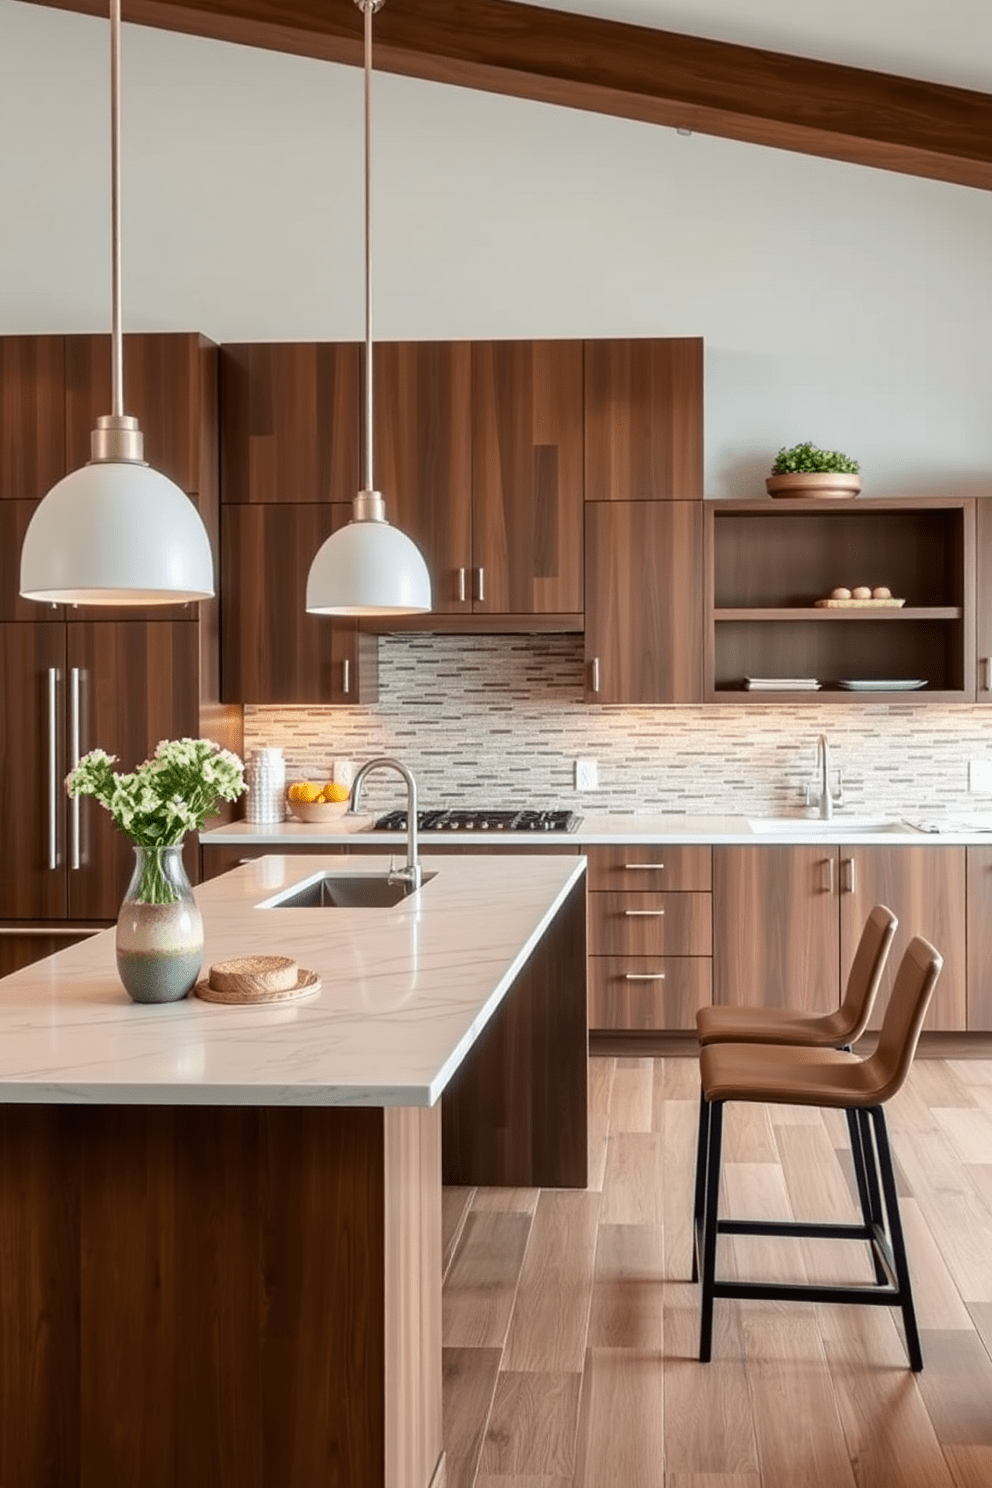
(169, 795)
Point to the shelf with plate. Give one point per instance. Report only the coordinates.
(770, 572)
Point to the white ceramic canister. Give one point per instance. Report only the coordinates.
(265, 777)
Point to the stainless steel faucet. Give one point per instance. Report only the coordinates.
(413, 874)
(821, 793)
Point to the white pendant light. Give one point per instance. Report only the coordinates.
(368, 567)
(116, 532)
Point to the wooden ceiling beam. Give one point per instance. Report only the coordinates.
(633, 72)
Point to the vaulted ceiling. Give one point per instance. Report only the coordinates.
(601, 63)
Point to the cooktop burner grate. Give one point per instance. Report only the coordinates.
(481, 821)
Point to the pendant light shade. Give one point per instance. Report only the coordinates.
(368, 567)
(116, 532)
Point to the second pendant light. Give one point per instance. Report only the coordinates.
(368, 567)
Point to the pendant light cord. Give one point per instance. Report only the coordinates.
(368, 9)
(116, 341)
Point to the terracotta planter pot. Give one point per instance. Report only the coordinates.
(833, 484)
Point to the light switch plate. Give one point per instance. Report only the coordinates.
(586, 774)
(980, 776)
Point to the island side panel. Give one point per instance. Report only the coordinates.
(39, 1297)
(199, 1297)
(516, 1112)
(413, 1274)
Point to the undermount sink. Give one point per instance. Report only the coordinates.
(813, 826)
(344, 891)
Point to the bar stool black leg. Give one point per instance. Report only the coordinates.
(708, 1260)
(862, 1160)
(699, 1199)
(913, 1349)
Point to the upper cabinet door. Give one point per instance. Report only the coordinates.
(644, 420)
(983, 600)
(32, 415)
(423, 457)
(644, 614)
(170, 387)
(527, 477)
(272, 650)
(290, 421)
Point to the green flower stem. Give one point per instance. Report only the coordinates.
(154, 886)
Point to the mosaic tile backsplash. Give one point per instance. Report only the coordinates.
(498, 721)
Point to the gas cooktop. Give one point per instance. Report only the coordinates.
(481, 821)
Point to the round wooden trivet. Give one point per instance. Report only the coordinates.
(307, 983)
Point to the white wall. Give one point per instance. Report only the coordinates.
(845, 305)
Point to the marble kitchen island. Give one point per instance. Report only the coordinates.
(220, 1227)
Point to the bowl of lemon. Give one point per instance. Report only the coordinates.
(316, 802)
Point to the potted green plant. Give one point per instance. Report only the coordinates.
(804, 470)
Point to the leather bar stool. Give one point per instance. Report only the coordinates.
(836, 1030)
(784, 1075)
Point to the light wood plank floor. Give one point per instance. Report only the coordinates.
(570, 1326)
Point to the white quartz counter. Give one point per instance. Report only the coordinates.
(405, 993)
(975, 828)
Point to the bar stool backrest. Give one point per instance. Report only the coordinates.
(866, 971)
(887, 1068)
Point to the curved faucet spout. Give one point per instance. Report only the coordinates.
(412, 873)
(823, 771)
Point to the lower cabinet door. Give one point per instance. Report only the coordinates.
(775, 934)
(643, 992)
(925, 887)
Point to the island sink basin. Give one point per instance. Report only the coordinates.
(814, 826)
(345, 891)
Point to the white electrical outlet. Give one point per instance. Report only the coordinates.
(586, 774)
(980, 776)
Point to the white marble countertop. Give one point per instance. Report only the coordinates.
(404, 994)
(602, 830)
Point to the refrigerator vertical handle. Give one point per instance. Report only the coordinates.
(53, 768)
(75, 675)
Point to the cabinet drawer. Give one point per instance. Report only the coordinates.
(650, 925)
(649, 992)
(642, 868)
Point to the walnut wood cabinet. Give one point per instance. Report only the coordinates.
(775, 928)
(121, 686)
(979, 879)
(32, 415)
(644, 419)
(768, 563)
(787, 920)
(644, 618)
(272, 650)
(983, 601)
(650, 936)
(527, 477)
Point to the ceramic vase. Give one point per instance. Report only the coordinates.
(159, 928)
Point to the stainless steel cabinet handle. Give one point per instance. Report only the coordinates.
(986, 673)
(644, 976)
(848, 879)
(828, 875)
(53, 769)
(652, 914)
(643, 867)
(346, 676)
(595, 674)
(480, 593)
(75, 857)
(461, 586)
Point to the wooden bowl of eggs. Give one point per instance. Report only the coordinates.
(317, 802)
